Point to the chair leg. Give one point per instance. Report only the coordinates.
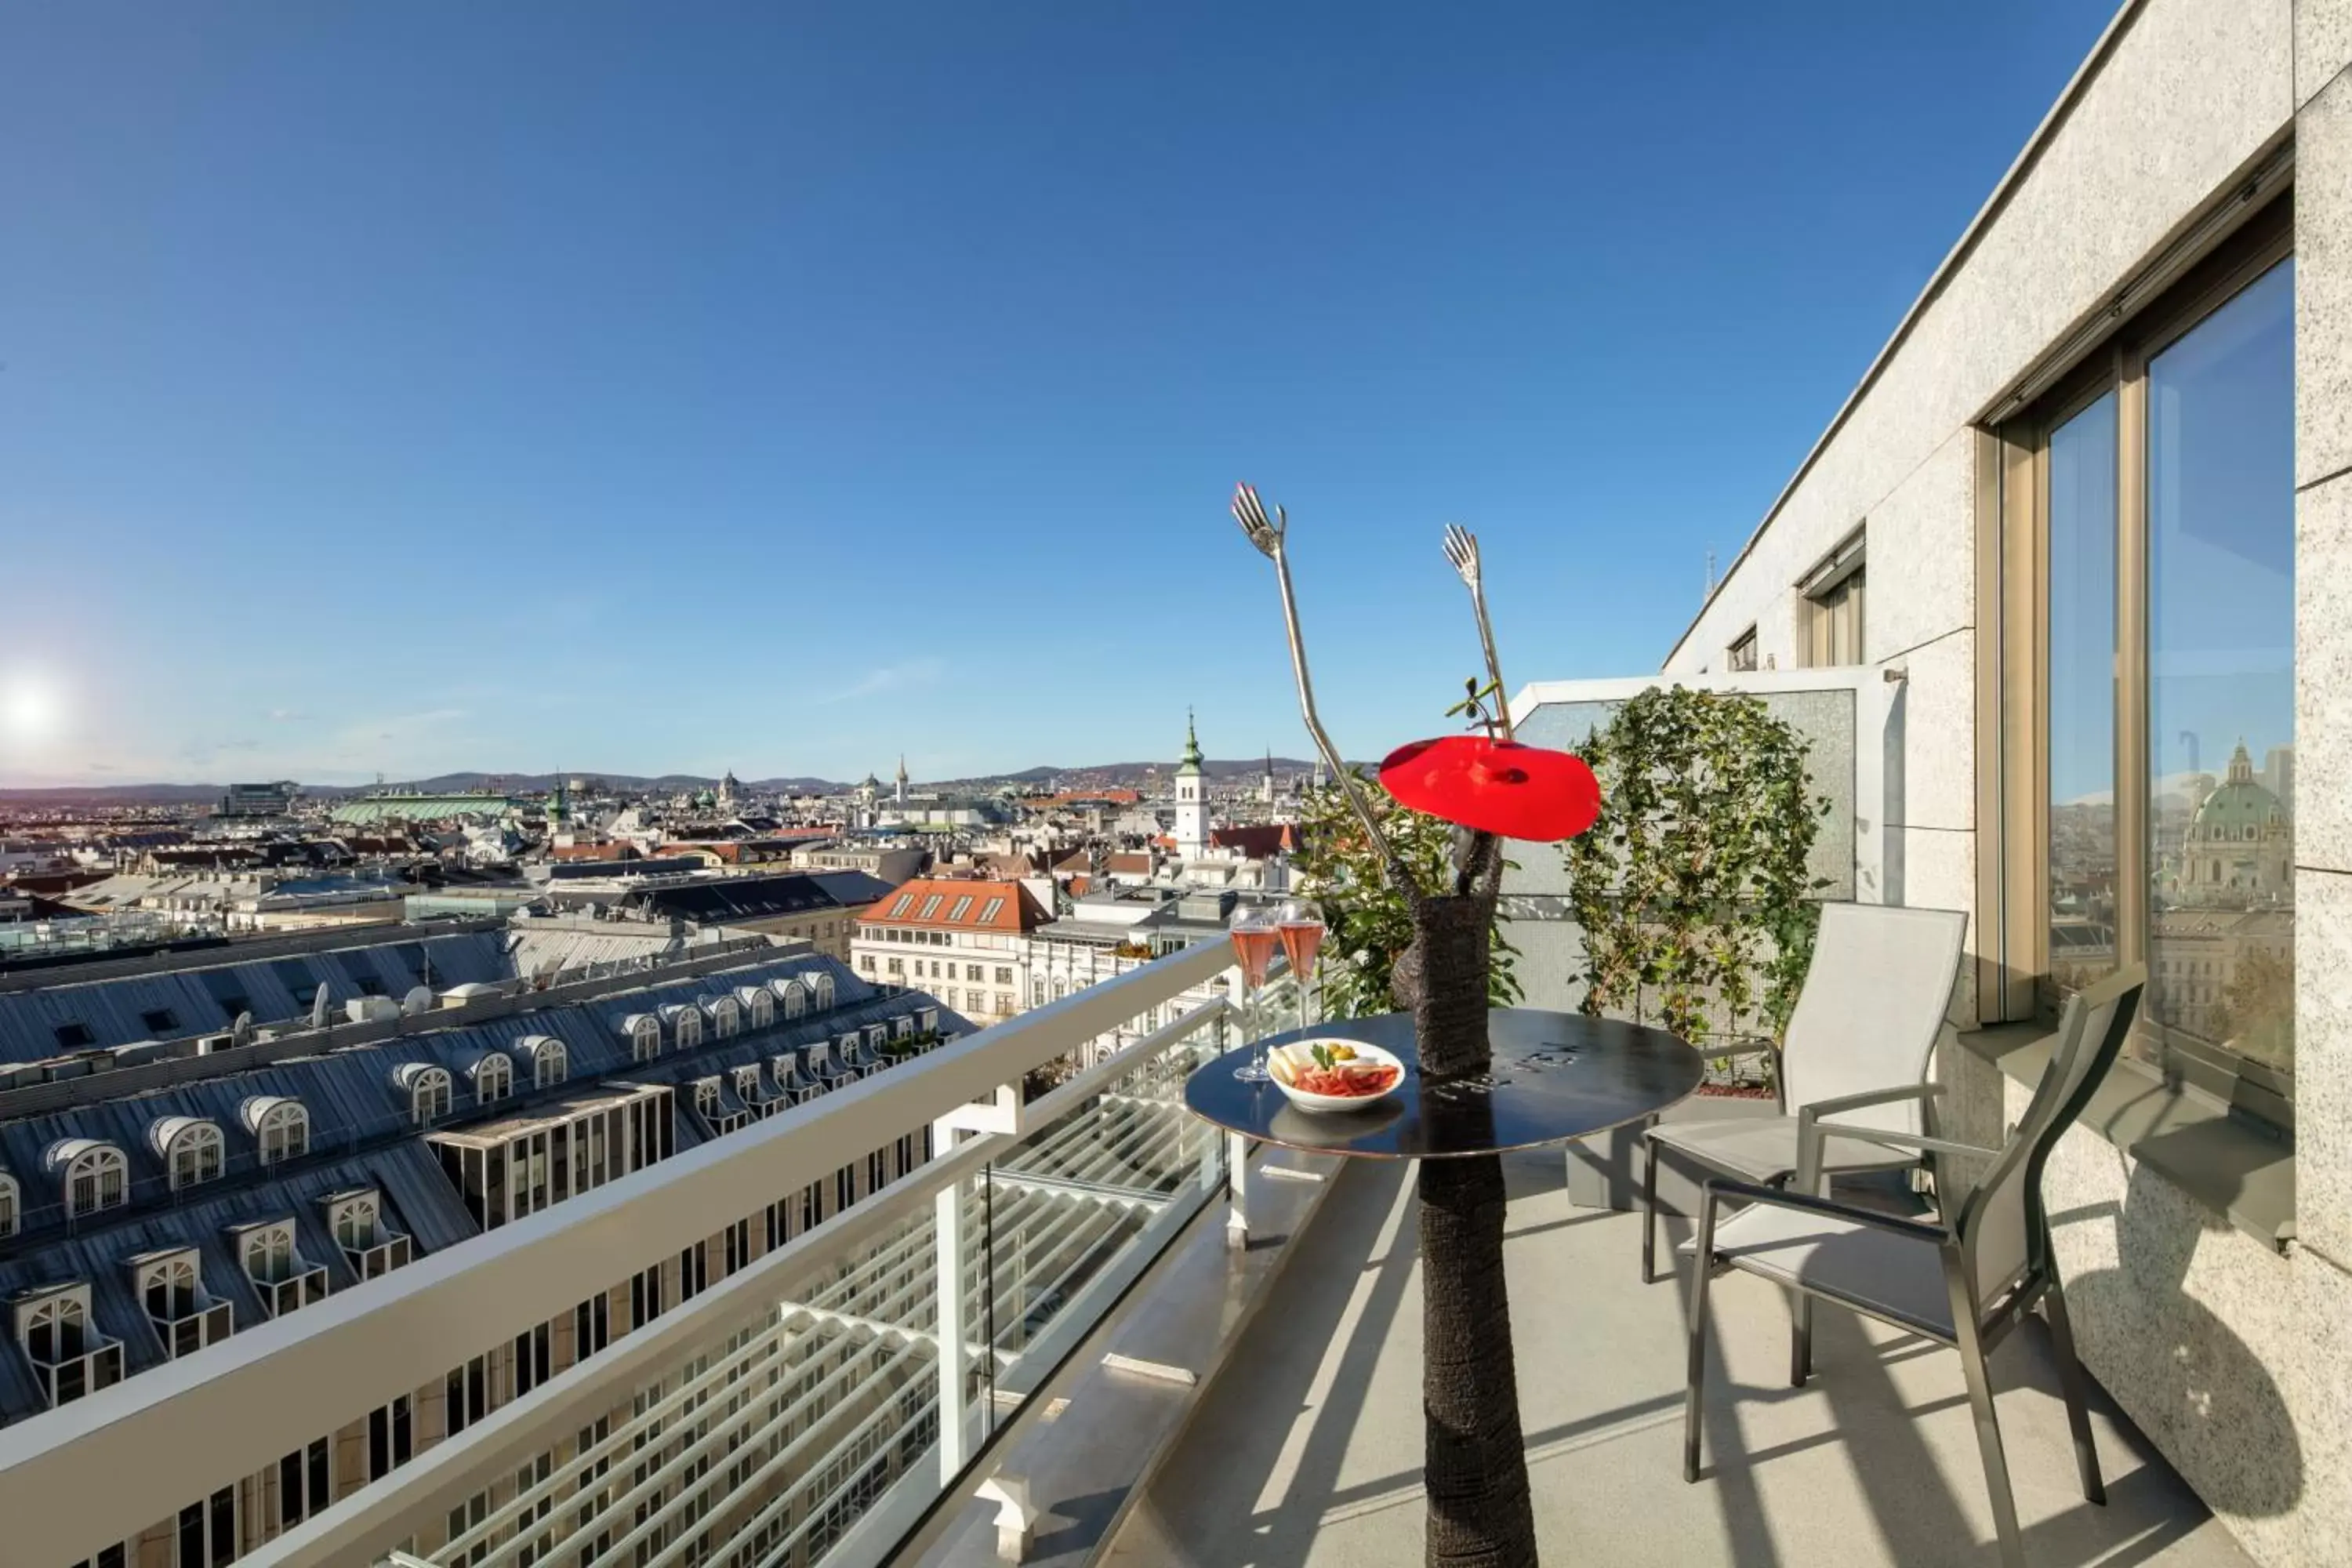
(1696, 1376)
(2072, 1382)
(1649, 1213)
(1970, 1344)
(1800, 1338)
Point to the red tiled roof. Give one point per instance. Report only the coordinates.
(1257, 839)
(946, 904)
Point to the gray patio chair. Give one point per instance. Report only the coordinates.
(1867, 1021)
(1965, 1280)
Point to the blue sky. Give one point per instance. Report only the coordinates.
(415, 387)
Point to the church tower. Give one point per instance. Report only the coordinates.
(902, 779)
(1266, 784)
(1192, 798)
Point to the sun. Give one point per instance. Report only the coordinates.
(29, 706)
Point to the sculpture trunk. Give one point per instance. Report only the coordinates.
(1475, 1459)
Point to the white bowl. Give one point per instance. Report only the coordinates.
(1284, 1059)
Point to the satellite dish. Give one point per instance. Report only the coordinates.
(241, 1032)
(418, 1000)
(318, 1007)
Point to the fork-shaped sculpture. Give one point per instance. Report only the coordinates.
(1267, 534)
(1462, 549)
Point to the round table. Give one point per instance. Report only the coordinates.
(1554, 1077)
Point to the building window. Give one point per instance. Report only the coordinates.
(305, 1479)
(74, 1036)
(898, 966)
(989, 910)
(2148, 517)
(551, 1062)
(644, 1036)
(960, 907)
(1741, 656)
(931, 907)
(281, 1129)
(1004, 1003)
(1828, 609)
(95, 1177)
(1004, 975)
(172, 1290)
(68, 1357)
(493, 1078)
(429, 1092)
(284, 1281)
(160, 1021)
(207, 1532)
(10, 1204)
(192, 1151)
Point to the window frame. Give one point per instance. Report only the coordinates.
(2013, 673)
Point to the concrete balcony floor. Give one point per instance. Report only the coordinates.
(1307, 1448)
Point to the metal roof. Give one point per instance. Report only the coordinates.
(195, 997)
(361, 1135)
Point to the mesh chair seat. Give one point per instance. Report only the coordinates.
(1898, 1278)
(1764, 1149)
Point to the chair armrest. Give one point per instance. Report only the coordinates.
(1804, 1203)
(1811, 1135)
(1905, 1141)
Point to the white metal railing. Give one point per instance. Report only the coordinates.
(1075, 1201)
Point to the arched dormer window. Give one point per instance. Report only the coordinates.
(493, 1078)
(643, 1033)
(725, 1015)
(821, 989)
(795, 996)
(759, 1005)
(91, 1176)
(280, 1127)
(12, 1204)
(550, 1060)
(428, 1089)
(685, 1025)
(190, 1147)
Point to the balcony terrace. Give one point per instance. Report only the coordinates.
(1258, 1405)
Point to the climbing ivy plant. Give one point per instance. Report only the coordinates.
(1367, 925)
(1692, 890)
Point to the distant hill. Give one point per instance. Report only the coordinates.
(1107, 774)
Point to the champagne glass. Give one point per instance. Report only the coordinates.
(1253, 936)
(1299, 924)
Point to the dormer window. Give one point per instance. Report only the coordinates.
(191, 1149)
(686, 1027)
(795, 999)
(284, 1279)
(821, 990)
(726, 1017)
(428, 1089)
(74, 1036)
(91, 1176)
(551, 1061)
(644, 1033)
(68, 1357)
(280, 1127)
(171, 1288)
(356, 1220)
(760, 1003)
(493, 1078)
(11, 1203)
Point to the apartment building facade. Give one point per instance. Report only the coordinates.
(2089, 515)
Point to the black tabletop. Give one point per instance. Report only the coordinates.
(1556, 1076)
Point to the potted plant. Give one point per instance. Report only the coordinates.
(1694, 894)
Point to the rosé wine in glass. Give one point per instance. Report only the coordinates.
(1254, 941)
(1301, 925)
(1254, 945)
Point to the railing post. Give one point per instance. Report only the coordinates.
(948, 1264)
(1237, 1190)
